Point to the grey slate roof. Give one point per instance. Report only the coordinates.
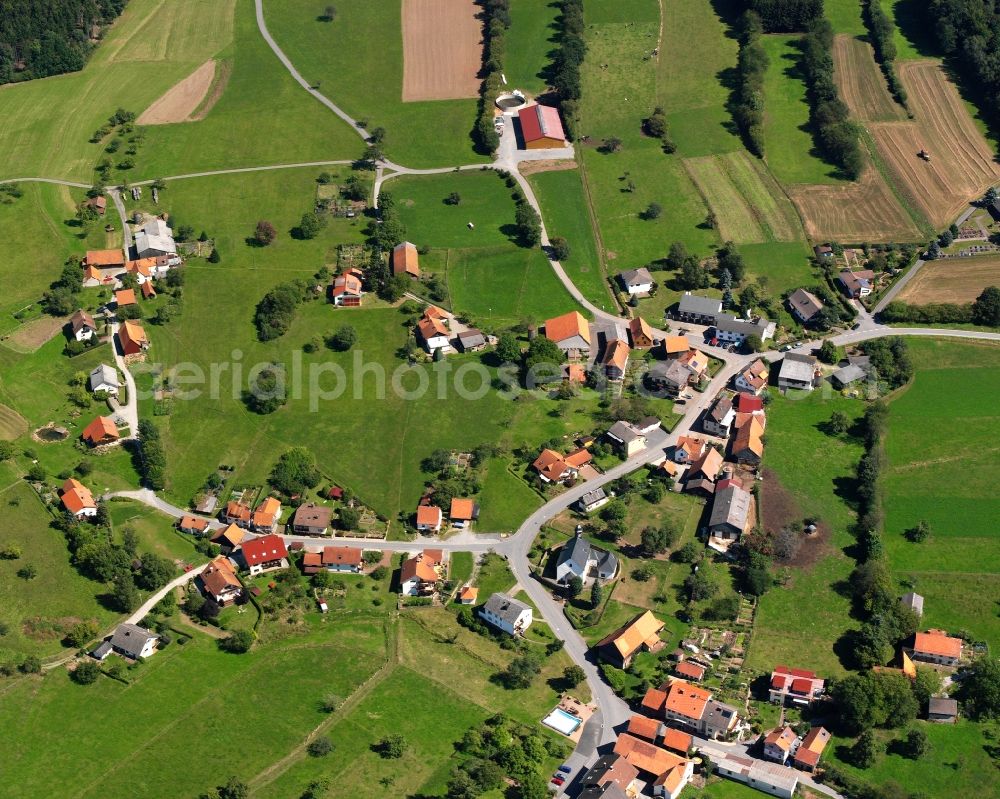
(102, 651)
(607, 564)
(505, 607)
(731, 505)
(472, 338)
(636, 277)
(624, 432)
(941, 706)
(131, 638)
(795, 366)
(578, 550)
(696, 304)
(913, 602)
(103, 374)
(673, 372)
(609, 790)
(721, 407)
(805, 304)
(730, 324)
(848, 374)
(593, 496)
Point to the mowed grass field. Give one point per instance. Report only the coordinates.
(151, 47)
(800, 622)
(567, 214)
(532, 37)
(861, 83)
(943, 458)
(788, 144)
(489, 277)
(747, 201)
(48, 723)
(364, 76)
(37, 613)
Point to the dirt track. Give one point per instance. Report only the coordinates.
(442, 49)
(182, 99)
(962, 162)
(863, 211)
(955, 280)
(861, 84)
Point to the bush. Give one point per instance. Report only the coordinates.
(321, 747)
(86, 672)
(238, 643)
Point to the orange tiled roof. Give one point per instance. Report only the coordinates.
(677, 740)
(429, 514)
(405, 259)
(675, 344)
(687, 700)
(935, 642)
(643, 629)
(100, 429)
(566, 326)
(105, 258)
(617, 354)
(462, 509)
(640, 330)
(232, 535)
(420, 568)
(644, 727)
(782, 737)
(125, 297)
(76, 496)
(646, 756)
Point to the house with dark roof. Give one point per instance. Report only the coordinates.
(133, 641)
(718, 420)
(942, 710)
(733, 513)
(506, 613)
(914, 602)
(612, 768)
(798, 371)
(311, 519)
(627, 438)
(636, 281)
(857, 284)
(730, 330)
(804, 305)
(578, 558)
(698, 309)
(592, 500)
(471, 340)
(81, 326)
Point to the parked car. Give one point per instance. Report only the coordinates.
(856, 325)
(565, 769)
(579, 529)
(558, 780)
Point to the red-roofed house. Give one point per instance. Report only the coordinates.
(100, 431)
(346, 290)
(405, 260)
(77, 499)
(265, 518)
(677, 741)
(193, 525)
(936, 646)
(541, 127)
(343, 559)
(798, 686)
(644, 727)
(420, 573)
(653, 701)
(690, 671)
(263, 554)
(236, 513)
(429, 518)
(218, 581)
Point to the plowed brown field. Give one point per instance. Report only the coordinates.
(861, 84)
(962, 163)
(854, 212)
(442, 49)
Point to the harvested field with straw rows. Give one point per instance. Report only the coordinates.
(861, 83)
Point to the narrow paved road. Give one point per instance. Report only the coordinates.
(130, 411)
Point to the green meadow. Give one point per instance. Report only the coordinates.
(532, 37)
(358, 63)
(788, 144)
(799, 622)
(48, 122)
(567, 215)
(942, 469)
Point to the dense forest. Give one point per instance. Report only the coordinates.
(969, 32)
(786, 16)
(49, 37)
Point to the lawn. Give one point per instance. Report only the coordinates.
(957, 762)
(956, 568)
(799, 623)
(691, 88)
(914, 38)
(845, 16)
(567, 214)
(48, 122)
(532, 37)
(156, 531)
(37, 613)
(366, 80)
(49, 722)
(495, 577)
(505, 499)
(788, 143)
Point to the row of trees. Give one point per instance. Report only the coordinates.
(786, 16)
(152, 456)
(565, 70)
(984, 311)
(751, 67)
(49, 37)
(881, 31)
(837, 137)
(969, 32)
(496, 15)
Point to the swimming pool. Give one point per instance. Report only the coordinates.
(561, 721)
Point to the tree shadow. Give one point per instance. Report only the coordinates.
(845, 648)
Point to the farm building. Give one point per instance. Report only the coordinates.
(100, 431)
(132, 338)
(541, 127)
(405, 260)
(155, 238)
(571, 333)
